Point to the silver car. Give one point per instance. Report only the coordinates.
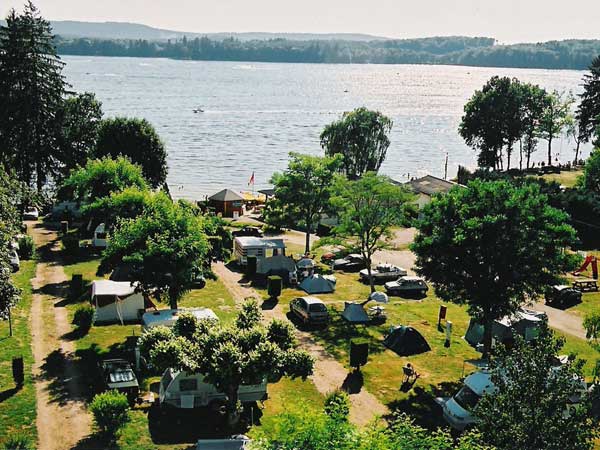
(407, 286)
(310, 310)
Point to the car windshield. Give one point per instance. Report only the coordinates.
(317, 307)
(466, 398)
(120, 376)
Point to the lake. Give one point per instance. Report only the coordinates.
(256, 113)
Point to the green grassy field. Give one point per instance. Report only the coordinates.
(566, 178)
(18, 407)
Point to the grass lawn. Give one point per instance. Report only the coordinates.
(18, 407)
(566, 178)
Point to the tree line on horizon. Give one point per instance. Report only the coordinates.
(452, 50)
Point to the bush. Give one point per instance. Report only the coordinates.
(150, 338)
(337, 405)
(18, 442)
(110, 410)
(26, 247)
(83, 317)
(71, 245)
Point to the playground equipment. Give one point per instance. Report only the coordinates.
(589, 259)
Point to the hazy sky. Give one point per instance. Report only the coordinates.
(506, 20)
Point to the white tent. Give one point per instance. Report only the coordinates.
(354, 313)
(278, 263)
(116, 301)
(317, 284)
(168, 317)
(379, 297)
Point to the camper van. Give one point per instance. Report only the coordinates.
(187, 391)
(245, 246)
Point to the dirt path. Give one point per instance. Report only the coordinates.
(62, 420)
(329, 374)
(562, 320)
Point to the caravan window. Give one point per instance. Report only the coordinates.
(100, 235)
(188, 384)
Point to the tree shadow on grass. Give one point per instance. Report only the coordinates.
(420, 404)
(8, 393)
(57, 372)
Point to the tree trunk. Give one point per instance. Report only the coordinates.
(233, 413)
(307, 245)
(173, 297)
(520, 154)
(508, 153)
(10, 333)
(371, 280)
(550, 150)
(487, 337)
(577, 153)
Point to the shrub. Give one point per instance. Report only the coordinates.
(337, 405)
(149, 339)
(186, 325)
(83, 317)
(26, 247)
(18, 442)
(110, 410)
(249, 316)
(70, 245)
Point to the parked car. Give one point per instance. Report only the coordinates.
(351, 263)
(248, 231)
(408, 286)
(310, 310)
(13, 258)
(31, 213)
(562, 295)
(118, 375)
(383, 273)
(236, 442)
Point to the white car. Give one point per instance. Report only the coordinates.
(382, 273)
(31, 213)
(407, 286)
(13, 258)
(457, 409)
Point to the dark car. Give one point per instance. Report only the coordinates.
(351, 263)
(248, 231)
(562, 295)
(407, 286)
(118, 375)
(310, 310)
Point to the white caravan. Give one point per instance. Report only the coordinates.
(187, 391)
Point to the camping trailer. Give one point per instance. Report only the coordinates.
(187, 391)
(245, 246)
(99, 240)
(168, 317)
(524, 322)
(116, 301)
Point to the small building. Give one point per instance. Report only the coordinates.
(227, 203)
(245, 246)
(117, 301)
(427, 186)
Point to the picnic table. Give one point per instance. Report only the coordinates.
(585, 285)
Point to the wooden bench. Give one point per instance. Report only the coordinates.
(586, 285)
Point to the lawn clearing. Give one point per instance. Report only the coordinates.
(565, 178)
(18, 408)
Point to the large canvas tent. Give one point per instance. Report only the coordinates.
(524, 322)
(355, 313)
(275, 265)
(117, 301)
(406, 341)
(317, 284)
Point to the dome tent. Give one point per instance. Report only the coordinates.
(406, 341)
(355, 313)
(317, 284)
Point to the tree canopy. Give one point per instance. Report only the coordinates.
(368, 209)
(31, 96)
(230, 356)
(532, 407)
(554, 118)
(588, 113)
(361, 137)
(166, 245)
(591, 173)
(302, 191)
(493, 246)
(102, 177)
(137, 140)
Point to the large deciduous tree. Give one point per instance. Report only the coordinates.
(31, 96)
(302, 191)
(493, 246)
(591, 173)
(80, 118)
(588, 112)
(554, 118)
(368, 209)
(229, 356)
(532, 104)
(138, 140)
(361, 137)
(165, 246)
(101, 177)
(532, 406)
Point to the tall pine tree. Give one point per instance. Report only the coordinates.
(32, 89)
(588, 113)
